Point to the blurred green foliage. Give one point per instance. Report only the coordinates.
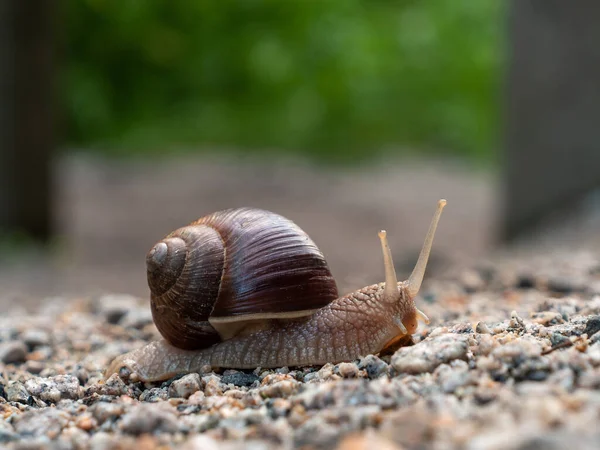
(335, 78)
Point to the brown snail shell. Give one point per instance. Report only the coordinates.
(211, 278)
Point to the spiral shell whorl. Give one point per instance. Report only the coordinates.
(164, 263)
(184, 285)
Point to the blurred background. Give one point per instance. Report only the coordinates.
(123, 120)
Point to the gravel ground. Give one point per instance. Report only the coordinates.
(511, 360)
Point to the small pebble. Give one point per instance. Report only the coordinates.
(103, 411)
(283, 388)
(48, 422)
(7, 432)
(74, 436)
(518, 350)
(82, 375)
(42, 353)
(557, 339)
(12, 352)
(430, 353)
(374, 366)
(212, 386)
(348, 370)
(592, 326)
(547, 318)
(113, 386)
(54, 389)
(327, 372)
(153, 395)
(197, 398)
(310, 377)
(105, 441)
(482, 328)
(516, 322)
(484, 344)
(86, 422)
(34, 367)
(16, 392)
(149, 418)
(185, 386)
(35, 338)
(452, 376)
(239, 378)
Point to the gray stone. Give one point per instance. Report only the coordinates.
(149, 418)
(347, 370)
(34, 367)
(283, 388)
(154, 395)
(239, 378)
(12, 352)
(103, 411)
(557, 339)
(56, 388)
(185, 386)
(482, 328)
(200, 422)
(7, 432)
(34, 338)
(114, 386)
(523, 349)
(16, 392)
(592, 326)
(104, 441)
(452, 376)
(430, 353)
(374, 366)
(48, 422)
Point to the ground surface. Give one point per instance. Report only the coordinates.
(511, 360)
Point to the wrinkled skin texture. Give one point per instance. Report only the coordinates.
(352, 326)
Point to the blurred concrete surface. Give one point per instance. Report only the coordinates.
(109, 214)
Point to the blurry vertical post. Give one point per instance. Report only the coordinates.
(27, 37)
(552, 160)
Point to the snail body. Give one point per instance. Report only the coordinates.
(248, 288)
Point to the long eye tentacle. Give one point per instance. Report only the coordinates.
(416, 277)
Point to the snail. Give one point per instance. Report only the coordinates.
(247, 288)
